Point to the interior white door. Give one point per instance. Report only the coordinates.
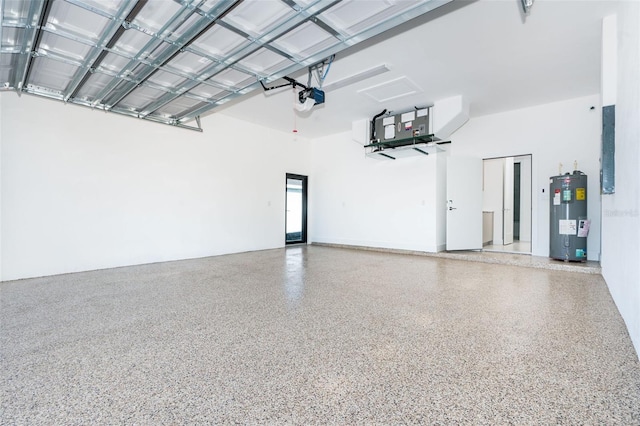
(464, 203)
(507, 205)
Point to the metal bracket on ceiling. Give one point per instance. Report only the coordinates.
(318, 70)
(184, 126)
(290, 82)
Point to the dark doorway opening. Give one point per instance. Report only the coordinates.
(516, 201)
(296, 209)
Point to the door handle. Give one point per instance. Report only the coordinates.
(452, 208)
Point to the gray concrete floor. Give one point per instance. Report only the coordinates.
(316, 335)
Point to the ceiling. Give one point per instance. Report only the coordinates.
(486, 51)
(171, 61)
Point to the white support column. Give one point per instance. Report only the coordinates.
(609, 67)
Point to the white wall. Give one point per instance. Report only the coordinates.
(1, 190)
(560, 132)
(377, 203)
(621, 211)
(84, 190)
(360, 201)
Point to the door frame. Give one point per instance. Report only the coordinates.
(531, 195)
(507, 200)
(304, 179)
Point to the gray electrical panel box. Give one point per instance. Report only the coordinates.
(569, 225)
(406, 126)
(608, 170)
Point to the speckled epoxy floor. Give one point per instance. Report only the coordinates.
(315, 335)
